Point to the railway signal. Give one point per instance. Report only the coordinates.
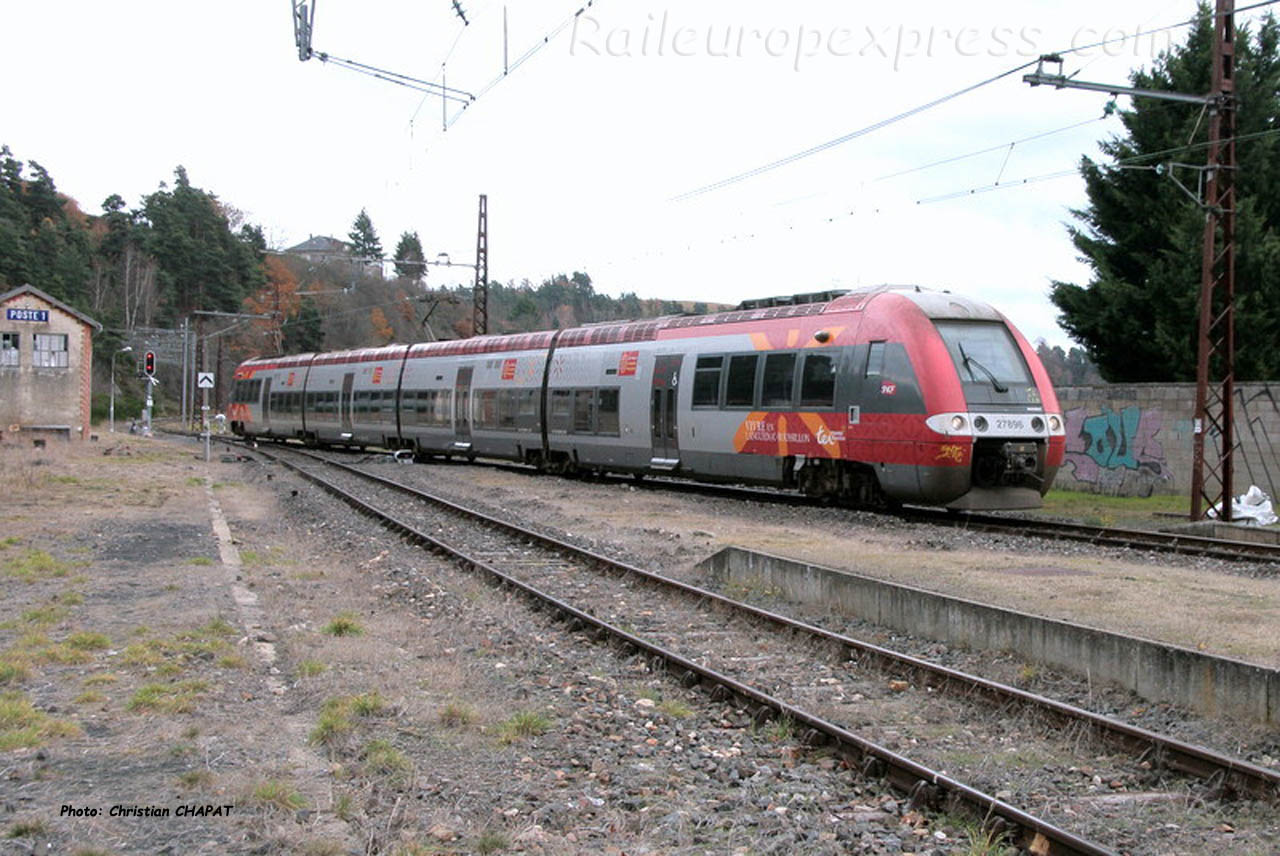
(149, 364)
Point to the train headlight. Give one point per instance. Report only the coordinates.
(1055, 424)
(957, 422)
(980, 423)
(1037, 424)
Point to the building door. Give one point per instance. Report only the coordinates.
(462, 407)
(663, 422)
(344, 403)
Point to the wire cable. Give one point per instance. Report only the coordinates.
(447, 92)
(537, 46)
(906, 114)
(1130, 162)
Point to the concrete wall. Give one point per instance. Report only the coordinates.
(1211, 685)
(1136, 439)
(36, 397)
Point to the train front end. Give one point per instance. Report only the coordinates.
(999, 428)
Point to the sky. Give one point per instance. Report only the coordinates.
(592, 150)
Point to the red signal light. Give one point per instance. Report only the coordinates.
(149, 363)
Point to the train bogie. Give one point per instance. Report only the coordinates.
(881, 396)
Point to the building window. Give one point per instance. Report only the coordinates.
(51, 351)
(9, 349)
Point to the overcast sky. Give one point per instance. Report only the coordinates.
(585, 148)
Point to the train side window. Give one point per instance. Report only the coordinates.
(583, 401)
(607, 412)
(561, 407)
(529, 403)
(507, 405)
(740, 391)
(706, 381)
(818, 381)
(779, 380)
(875, 359)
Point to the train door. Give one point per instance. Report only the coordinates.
(664, 425)
(462, 408)
(344, 403)
(266, 404)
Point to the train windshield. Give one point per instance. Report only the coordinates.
(984, 352)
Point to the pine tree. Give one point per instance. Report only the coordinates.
(364, 240)
(1142, 235)
(410, 261)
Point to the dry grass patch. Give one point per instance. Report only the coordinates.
(169, 656)
(311, 668)
(22, 726)
(338, 716)
(524, 725)
(457, 714)
(180, 697)
(343, 624)
(275, 795)
(32, 566)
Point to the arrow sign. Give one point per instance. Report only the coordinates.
(204, 380)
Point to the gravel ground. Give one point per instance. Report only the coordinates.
(457, 721)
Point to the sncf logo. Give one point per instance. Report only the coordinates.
(888, 389)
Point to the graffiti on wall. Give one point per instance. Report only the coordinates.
(1111, 446)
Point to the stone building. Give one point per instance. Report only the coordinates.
(46, 366)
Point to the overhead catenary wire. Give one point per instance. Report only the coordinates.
(549, 37)
(427, 86)
(906, 114)
(1132, 161)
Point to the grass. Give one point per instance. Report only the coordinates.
(274, 794)
(335, 722)
(11, 541)
(194, 780)
(491, 841)
(14, 670)
(101, 680)
(27, 829)
(382, 759)
(456, 714)
(200, 560)
(170, 656)
(343, 624)
(524, 725)
(22, 726)
(1104, 510)
(44, 616)
(780, 730)
(86, 641)
(32, 566)
(311, 668)
(90, 697)
(675, 709)
(178, 697)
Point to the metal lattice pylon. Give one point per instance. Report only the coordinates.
(1211, 481)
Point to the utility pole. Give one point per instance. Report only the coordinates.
(1211, 480)
(480, 294)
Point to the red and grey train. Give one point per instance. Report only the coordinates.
(881, 396)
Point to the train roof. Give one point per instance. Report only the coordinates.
(937, 305)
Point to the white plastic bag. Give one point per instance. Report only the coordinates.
(1253, 508)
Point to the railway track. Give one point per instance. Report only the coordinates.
(1052, 530)
(522, 564)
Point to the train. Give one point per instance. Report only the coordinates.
(873, 397)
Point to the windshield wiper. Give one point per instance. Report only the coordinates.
(969, 362)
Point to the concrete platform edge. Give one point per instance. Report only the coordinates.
(1212, 685)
